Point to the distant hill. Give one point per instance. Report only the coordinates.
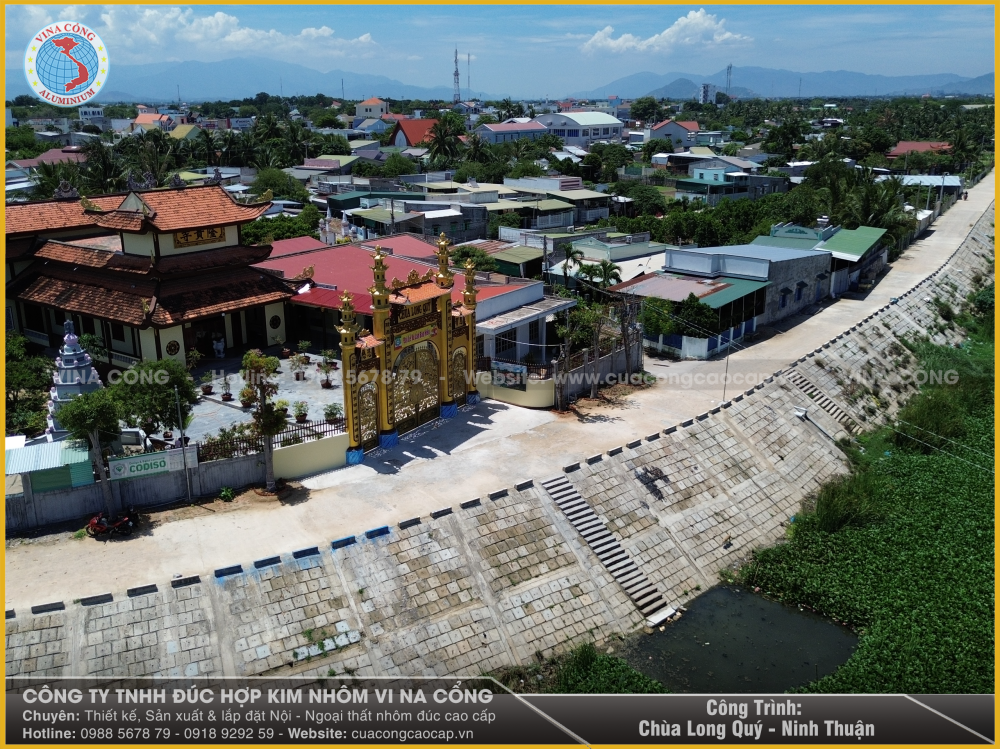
(983, 85)
(786, 83)
(241, 78)
(683, 88)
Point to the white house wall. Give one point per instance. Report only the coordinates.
(508, 301)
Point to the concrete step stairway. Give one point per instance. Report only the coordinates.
(644, 595)
(822, 400)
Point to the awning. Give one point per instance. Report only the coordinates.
(44, 456)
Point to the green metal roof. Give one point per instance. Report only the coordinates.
(44, 456)
(344, 160)
(791, 243)
(739, 287)
(853, 241)
(519, 254)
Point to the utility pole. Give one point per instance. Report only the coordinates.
(468, 68)
(342, 94)
(458, 81)
(729, 77)
(180, 424)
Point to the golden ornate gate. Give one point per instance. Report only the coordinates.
(459, 387)
(368, 415)
(415, 385)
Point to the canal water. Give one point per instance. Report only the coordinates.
(732, 640)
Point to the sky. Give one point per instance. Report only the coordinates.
(537, 50)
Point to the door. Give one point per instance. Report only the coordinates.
(416, 385)
(368, 415)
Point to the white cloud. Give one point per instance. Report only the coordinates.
(697, 27)
(142, 35)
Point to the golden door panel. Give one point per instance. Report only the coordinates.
(415, 384)
(368, 415)
(458, 374)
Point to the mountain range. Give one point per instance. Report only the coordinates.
(786, 83)
(241, 78)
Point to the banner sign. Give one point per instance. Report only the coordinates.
(150, 464)
(470, 711)
(415, 336)
(512, 376)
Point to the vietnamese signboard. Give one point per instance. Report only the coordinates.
(415, 336)
(150, 464)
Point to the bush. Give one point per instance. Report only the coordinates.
(850, 500)
(585, 671)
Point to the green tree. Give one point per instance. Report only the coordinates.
(497, 220)
(646, 199)
(608, 274)
(95, 417)
(258, 373)
(336, 145)
(147, 397)
(310, 217)
(656, 316)
(22, 144)
(652, 147)
(526, 169)
(27, 380)
(480, 259)
(397, 165)
(573, 259)
(282, 226)
(444, 142)
(280, 184)
(694, 318)
(647, 110)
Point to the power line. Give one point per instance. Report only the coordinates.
(941, 436)
(933, 447)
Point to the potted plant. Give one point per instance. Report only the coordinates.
(246, 396)
(285, 352)
(329, 357)
(301, 411)
(281, 405)
(325, 369)
(193, 357)
(227, 389)
(333, 413)
(304, 347)
(206, 383)
(298, 363)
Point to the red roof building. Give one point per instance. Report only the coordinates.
(917, 146)
(52, 156)
(407, 133)
(153, 273)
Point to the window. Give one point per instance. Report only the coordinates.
(506, 343)
(701, 175)
(560, 133)
(34, 318)
(480, 346)
(798, 294)
(88, 325)
(607, 130)
(572, 133)
(586, 133)
(118, 332)
(784, 301)
(467, 224)
(452, 227)
(533, 327)
(715, 177)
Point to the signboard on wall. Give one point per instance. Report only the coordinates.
(513, 376)
(150, 464)
(414, 336)
(193, 237)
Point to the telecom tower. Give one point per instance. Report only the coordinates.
(458, 86)
(729, 77)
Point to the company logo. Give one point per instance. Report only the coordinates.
(66, 64)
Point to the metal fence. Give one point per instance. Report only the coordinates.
(535, 371)
(236, 447)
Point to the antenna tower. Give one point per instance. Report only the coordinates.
(468, 80)
(458, 86)
(729, 77)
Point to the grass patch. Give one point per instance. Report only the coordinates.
(581, 671)
(902, 549)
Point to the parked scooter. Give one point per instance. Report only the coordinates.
(99, 524)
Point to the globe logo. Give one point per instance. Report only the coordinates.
(66, 64)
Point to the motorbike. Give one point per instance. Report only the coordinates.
(124, 525)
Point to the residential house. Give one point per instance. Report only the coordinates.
(682, 133)
(917, 146)
(370, 108)
(858, 257)
(154, 273)
(720, 178)
(582, 128)
(511, 130)
(153, 121)
(185, 132)
(373, 126)
(408, 133)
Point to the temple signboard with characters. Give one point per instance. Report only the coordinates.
(416, 364)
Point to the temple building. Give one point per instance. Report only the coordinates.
(415, 364)
(152, 273)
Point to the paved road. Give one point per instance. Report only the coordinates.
(485, 449)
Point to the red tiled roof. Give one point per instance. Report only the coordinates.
(688, 124)
(393, 116)
(150, 118)
(234, 256)
(182, 300)
(52, 156)
(373, 100)
(119, 220)
(320, 164)
(416, 131)
(37, 217)
(72, 254)
(368, 341)
(922, 146)
(194, 207)
(16, 249)
(413, 294)
(282, 247)
(90, 292)
(330, 299)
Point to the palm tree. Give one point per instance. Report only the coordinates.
(608, 273)
(104, 170)
(444, 142)
(296, 142)
(205, 145)
(588, 272)
(267, 127)
(506, 109)
(574, 258)
(880, 205)
(476, 149)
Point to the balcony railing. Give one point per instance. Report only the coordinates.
(594, 214)
(34, 336)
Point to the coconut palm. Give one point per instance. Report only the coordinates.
(476, 149)
(574, 258)
(608, 273)
(444, 143)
